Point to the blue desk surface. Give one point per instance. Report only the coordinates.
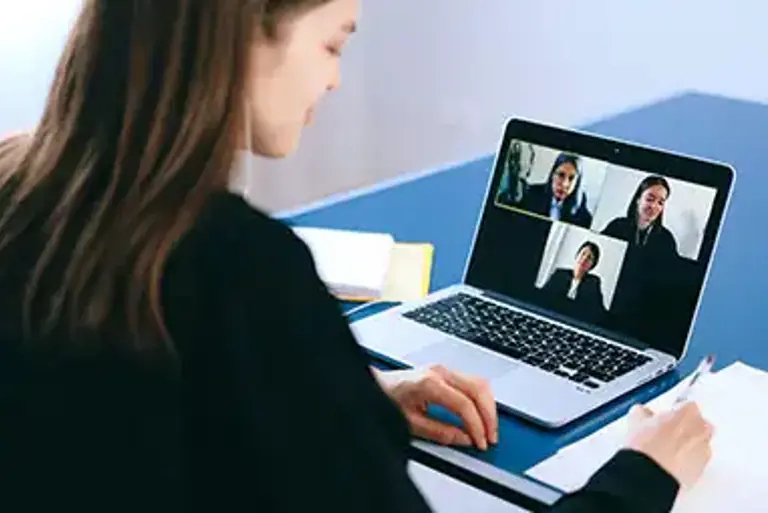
(732, 320)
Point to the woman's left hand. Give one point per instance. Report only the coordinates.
(471, 399)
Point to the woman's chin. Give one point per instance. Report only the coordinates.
(277, 147)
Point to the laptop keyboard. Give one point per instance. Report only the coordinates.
(552, 348)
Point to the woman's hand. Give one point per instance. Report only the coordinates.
(471, 399)
(677, 440)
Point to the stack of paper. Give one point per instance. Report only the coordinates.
(735, 477)
(365, 266)
(410, 269)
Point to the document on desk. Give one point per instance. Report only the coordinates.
(736, 477)
(352, 264)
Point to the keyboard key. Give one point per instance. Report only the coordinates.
(548, 366)
(579, 377)
(535, 360)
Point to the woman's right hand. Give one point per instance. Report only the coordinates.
(678, 440)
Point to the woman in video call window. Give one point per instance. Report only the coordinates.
(578, 291)
(561, 197)
(642, 227)
(643, 295)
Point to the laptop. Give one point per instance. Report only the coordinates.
(584, 277)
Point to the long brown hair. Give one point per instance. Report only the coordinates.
(141, 126)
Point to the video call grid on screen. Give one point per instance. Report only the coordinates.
(530, 253)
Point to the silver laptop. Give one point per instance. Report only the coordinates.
(584, 278)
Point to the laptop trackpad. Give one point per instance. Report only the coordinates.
(463, 358)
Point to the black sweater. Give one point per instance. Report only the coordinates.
(275, 408)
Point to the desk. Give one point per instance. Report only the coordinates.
(731, 323)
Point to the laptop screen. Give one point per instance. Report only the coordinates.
(604, 234)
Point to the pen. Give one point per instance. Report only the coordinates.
(702, 370)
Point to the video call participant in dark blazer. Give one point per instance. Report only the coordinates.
(165, 346)
(561, 197)
(642, 227)
(578, 291)
(645, 289)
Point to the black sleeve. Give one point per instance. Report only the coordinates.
(317, 429)
(671, 244)
(599, 297)
(629, 483)
(550, 285)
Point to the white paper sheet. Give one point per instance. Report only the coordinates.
(733, 401)
(350, 263)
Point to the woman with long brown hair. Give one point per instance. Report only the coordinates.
(163, 345)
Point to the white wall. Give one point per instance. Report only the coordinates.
(428, 82)
(465, 66)
(32, 34)
(436, 79)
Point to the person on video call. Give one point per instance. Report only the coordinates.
(561, 197)
(577, 290)
(643, 292)
(515, 180)
(643, 226)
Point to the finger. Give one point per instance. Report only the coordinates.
(437, 431)
(710, 430)
(701, 457)
(681, 417)
(481, 394)
(638, 416)
(696, 435)
(640, 412)
(704, 433)
(441, 393)
(690, 419)
(690, 411)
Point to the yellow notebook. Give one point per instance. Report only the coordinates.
(408, 276)
(410, 270)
